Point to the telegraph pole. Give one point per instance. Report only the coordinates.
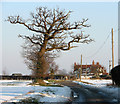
(81, 68)
(86, 72)
(112, 50)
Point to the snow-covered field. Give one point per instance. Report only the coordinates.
(102, 85)
(13, 91)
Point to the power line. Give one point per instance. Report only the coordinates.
(102, 45)
(99, 47)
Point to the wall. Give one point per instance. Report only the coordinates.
(119, 33)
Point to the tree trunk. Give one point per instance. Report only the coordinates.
(41, 64)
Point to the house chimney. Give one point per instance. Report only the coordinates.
(93, 63)
(97, 63)
(75, 64)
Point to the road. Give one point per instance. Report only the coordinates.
(87, 95)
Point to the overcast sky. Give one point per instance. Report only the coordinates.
(103, 16)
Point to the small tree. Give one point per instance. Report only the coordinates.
(53, 68)
(97, 69)
(4, 71)
(52, 31)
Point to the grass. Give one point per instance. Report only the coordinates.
(42, 83)
(29, 101)
(87, 82)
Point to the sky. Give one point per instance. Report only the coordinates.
(103, 16)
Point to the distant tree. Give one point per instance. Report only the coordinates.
(53, 68)
(52, 31)
(4, 71)
(97, 69)
(63, 72)
(71, 73)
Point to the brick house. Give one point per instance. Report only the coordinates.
(89, 70)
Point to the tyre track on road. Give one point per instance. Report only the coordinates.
(85, 95)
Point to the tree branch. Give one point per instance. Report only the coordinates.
(79, 38)
(30, 39)
(18, 20)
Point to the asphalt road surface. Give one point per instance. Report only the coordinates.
(85, 95)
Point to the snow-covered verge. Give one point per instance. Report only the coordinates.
(14, 91)
(98, 82)
(102, 85)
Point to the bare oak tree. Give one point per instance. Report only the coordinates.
(52, 30)
(31, 55)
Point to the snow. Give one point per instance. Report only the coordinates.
(102, 85)
(13, 91)
(98, 83)
(14, 83)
